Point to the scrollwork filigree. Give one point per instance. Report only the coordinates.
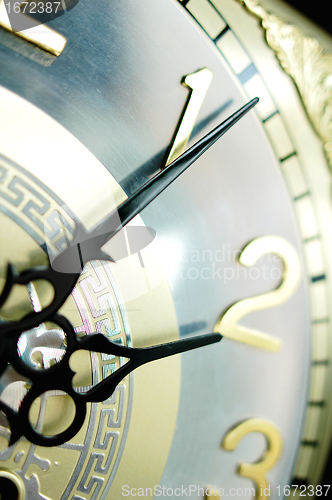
(304, 59)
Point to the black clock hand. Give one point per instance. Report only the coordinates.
(86, 245)
(137, 356)
(135, 179)
(59, 377)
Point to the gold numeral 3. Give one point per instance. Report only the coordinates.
(257, 471)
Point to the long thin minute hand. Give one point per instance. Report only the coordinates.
(86, 246)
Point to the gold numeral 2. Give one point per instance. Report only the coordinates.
(227, 325)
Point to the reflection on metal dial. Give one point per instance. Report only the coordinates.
(121, 302)
(95, 306)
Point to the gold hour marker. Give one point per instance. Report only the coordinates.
(228, 325)
(257, 471)
(39, 34)
(211, 493)
(197, 83)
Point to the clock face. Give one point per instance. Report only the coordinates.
(237, 251)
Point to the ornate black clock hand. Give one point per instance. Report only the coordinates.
(86, 246)
(59, 377)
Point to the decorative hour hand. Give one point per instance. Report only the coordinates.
(59, 377)
(63, 274)
(87, 245)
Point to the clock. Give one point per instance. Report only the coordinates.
(94, 105)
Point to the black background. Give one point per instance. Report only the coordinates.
(318, 11)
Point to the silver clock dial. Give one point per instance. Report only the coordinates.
(114, 97)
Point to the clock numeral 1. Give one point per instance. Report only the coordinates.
(40, 35)
(198, 84)
(257, 471)
(227, 325)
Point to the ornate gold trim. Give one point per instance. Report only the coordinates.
(304, 59)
